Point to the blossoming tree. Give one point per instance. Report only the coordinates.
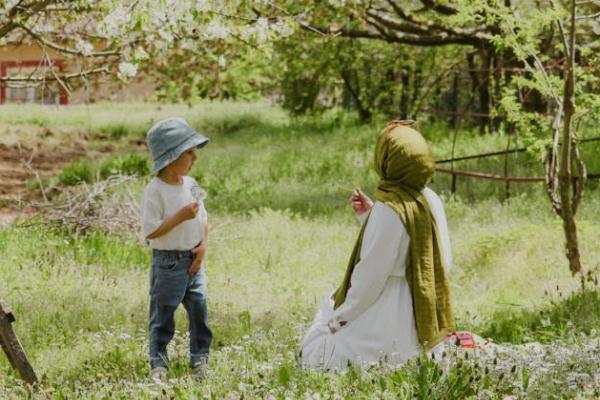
(115, 37)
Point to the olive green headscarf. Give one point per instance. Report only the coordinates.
(405, 166)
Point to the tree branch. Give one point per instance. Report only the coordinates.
(439, 39)
(67, 50)
(425, 27)
(590, 16)
(16, 18)
(408, 27)
(56, 77)
(440, 8)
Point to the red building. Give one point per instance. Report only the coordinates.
(30, 60)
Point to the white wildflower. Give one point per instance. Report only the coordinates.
(284, 28)
(160, 44)
(166, 35)
(215, 30)
(188, 44)
(202, 5)
(232, 396)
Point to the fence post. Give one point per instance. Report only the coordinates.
(507, 182)
(453, 187)
(12, 347)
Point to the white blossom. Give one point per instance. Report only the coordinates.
(85, 48)
(262, 29)
(10, 4)
(222, 61)
(127, 70)
(116, 22)
(140, 54)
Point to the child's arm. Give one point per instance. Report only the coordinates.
(186, 212)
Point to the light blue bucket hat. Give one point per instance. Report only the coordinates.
(169, 138)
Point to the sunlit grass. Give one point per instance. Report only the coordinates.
(281, 234)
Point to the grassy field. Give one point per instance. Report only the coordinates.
(281, 234)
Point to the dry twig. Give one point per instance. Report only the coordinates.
(97, 206)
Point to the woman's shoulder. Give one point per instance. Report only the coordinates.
(384, 215)
(432, 197)
(384, 224)
(382, 209)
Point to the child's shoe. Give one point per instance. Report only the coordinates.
(158, 375)
(200, 370)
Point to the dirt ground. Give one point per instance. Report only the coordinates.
(31, 155)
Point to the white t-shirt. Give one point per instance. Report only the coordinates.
(161, 201)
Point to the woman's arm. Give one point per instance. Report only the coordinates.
(385, 241)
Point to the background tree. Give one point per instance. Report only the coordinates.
(578, 82)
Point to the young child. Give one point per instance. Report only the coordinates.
(175, 224)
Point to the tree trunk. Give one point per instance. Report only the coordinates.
(454, 101)
(484, 88)
(363, 112)
(570, 189)
(417, 87)
(404, 94)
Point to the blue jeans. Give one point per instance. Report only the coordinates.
(171, 285)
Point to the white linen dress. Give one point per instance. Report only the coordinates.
(376, 319)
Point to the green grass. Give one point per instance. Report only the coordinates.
(76, 173)
(281, 233)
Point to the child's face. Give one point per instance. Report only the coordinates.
(184, 163)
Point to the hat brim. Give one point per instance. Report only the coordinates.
(198, 141)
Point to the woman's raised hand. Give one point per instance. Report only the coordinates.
(360, 202)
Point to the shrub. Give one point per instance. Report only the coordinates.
(115, 131)
(132, 164)
(75, 173)
(575, 313)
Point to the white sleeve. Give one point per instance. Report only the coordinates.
(362, 217)
(202, 212)
(437, 210)
(152, 212)
(385, 241)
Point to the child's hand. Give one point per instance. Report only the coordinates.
(189, 211)
(360, 202)
(199, 251)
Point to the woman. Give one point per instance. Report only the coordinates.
(394, 301)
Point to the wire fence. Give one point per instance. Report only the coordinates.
(505, 177)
